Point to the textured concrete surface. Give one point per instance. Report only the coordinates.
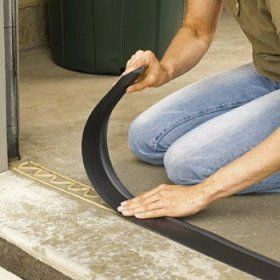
(86, 242)
(32, 24)
(24, 265)
(4, 274)
(54, 106)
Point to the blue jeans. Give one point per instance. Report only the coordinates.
(204, 126)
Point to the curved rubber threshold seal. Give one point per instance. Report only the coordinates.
(107, 184)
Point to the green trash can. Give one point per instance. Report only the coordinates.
(99, 36)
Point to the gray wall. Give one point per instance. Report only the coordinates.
(3, 134)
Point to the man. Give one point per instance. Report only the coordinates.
(219, 136)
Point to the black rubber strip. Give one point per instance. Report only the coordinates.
(107, 184)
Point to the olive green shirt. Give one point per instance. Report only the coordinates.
(260, 21)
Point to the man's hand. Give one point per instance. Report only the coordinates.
(155, 74)
(166, 200)
(185, 50)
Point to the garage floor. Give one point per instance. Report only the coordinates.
(54, 106)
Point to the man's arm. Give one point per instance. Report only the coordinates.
(177, 201)
(255, 165)
(186, 49)
(193, 38)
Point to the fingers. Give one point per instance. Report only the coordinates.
(166, 200)
(151, 214)
(133, 57)
(148, 204)
(136, 63)
(139, 203)
(148, 81)
(155, 206)
(144, 195)
(138, 86)
(133, 64)
(149, 77)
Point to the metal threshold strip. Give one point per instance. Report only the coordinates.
(107, 184)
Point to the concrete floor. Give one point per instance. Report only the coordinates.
(4, 274)
(56, 102)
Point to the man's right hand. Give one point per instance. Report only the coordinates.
(155, 74)
(185, 50)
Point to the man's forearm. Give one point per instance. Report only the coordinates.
(193, 38)
(184, 52)
(255, 165)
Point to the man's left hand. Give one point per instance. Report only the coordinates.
(166, 200)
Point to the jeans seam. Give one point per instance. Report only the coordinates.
(172, 126)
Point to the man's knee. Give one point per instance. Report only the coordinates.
(141, 141)
(183, 170)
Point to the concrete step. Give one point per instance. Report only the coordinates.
(53, 227)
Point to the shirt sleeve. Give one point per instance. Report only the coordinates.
(274, 6)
